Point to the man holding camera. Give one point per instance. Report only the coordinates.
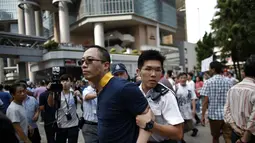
(66, 116)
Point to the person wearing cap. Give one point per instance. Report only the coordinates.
(120, 70)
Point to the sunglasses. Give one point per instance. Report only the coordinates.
(88, 61)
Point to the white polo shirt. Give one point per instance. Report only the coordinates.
(166, 111)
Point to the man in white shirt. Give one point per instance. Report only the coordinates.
(190, 82)
(170, 79)
(89, 129)
(167, 126)
(186, 97)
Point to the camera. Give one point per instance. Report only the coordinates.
(68, 116)
(56, 86)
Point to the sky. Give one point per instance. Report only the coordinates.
(199, 14)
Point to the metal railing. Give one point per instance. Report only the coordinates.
(105, 7)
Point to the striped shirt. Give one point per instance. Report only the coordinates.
(240, 105)
(216, 89)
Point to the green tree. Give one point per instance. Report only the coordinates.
(234, 29)
(204, 48)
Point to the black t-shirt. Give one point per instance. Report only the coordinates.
(7, 131)
(49, 112)
(119, 103)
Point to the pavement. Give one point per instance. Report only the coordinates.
(203, 135)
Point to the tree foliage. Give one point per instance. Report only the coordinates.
(204, 48)
(234, 28)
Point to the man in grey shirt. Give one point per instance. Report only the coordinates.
(17, 114)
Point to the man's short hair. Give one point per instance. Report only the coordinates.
(150, 55)
(182, 74)
(217, 66)
(169, 73)
(13, 88)
(249, 66)
(104, 54)
(22, 83)
(65, 77)
(191, 74)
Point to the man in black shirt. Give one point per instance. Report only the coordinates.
(49, 116)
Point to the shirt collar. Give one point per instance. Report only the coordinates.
(147, 94)
(107, 77)
(247, 79)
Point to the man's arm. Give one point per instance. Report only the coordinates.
(89, 93)
(51, 101)
(90, 96)
(204, 108)
(143, 136)
(37, 110)
(135, 102)
(170, 112)
(194, 107)
(174, 132)
(20, 133)
(42, 101)
(205, 91)
(251, 122)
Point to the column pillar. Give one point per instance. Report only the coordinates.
(10, 62)
(2, 77)
(29, 19)
(99, 34)
(22, 70)
(56, 27)
(21, 24)
(38, 23)
(64, 22)
(31, 74)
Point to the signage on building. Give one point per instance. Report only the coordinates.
(152, 37)
(70, 62)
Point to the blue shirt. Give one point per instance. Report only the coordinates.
(31, 105)
(89, 106)
(216, 89)
(5, 97)
(119, 103)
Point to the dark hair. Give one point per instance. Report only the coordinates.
(200, 78)
(104, 54)
(163, 71)
(217, 66)
(150, 55)
(1, 87)
(42, 83)
(14, 87)
(7, 131)
(169, 73)
(182, 74)
(249, 66)
(190, 74)
(22, 83)
(65, 77)
(7, 87)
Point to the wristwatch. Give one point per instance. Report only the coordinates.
(149, 125)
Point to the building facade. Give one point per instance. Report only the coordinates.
(119, 25)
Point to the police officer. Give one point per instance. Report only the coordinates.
(167, 126)
(120, 70)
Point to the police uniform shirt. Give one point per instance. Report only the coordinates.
(165, 109)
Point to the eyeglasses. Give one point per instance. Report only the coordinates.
(150, 70)
(88, 61)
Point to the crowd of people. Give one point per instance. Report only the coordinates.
(154, 107)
